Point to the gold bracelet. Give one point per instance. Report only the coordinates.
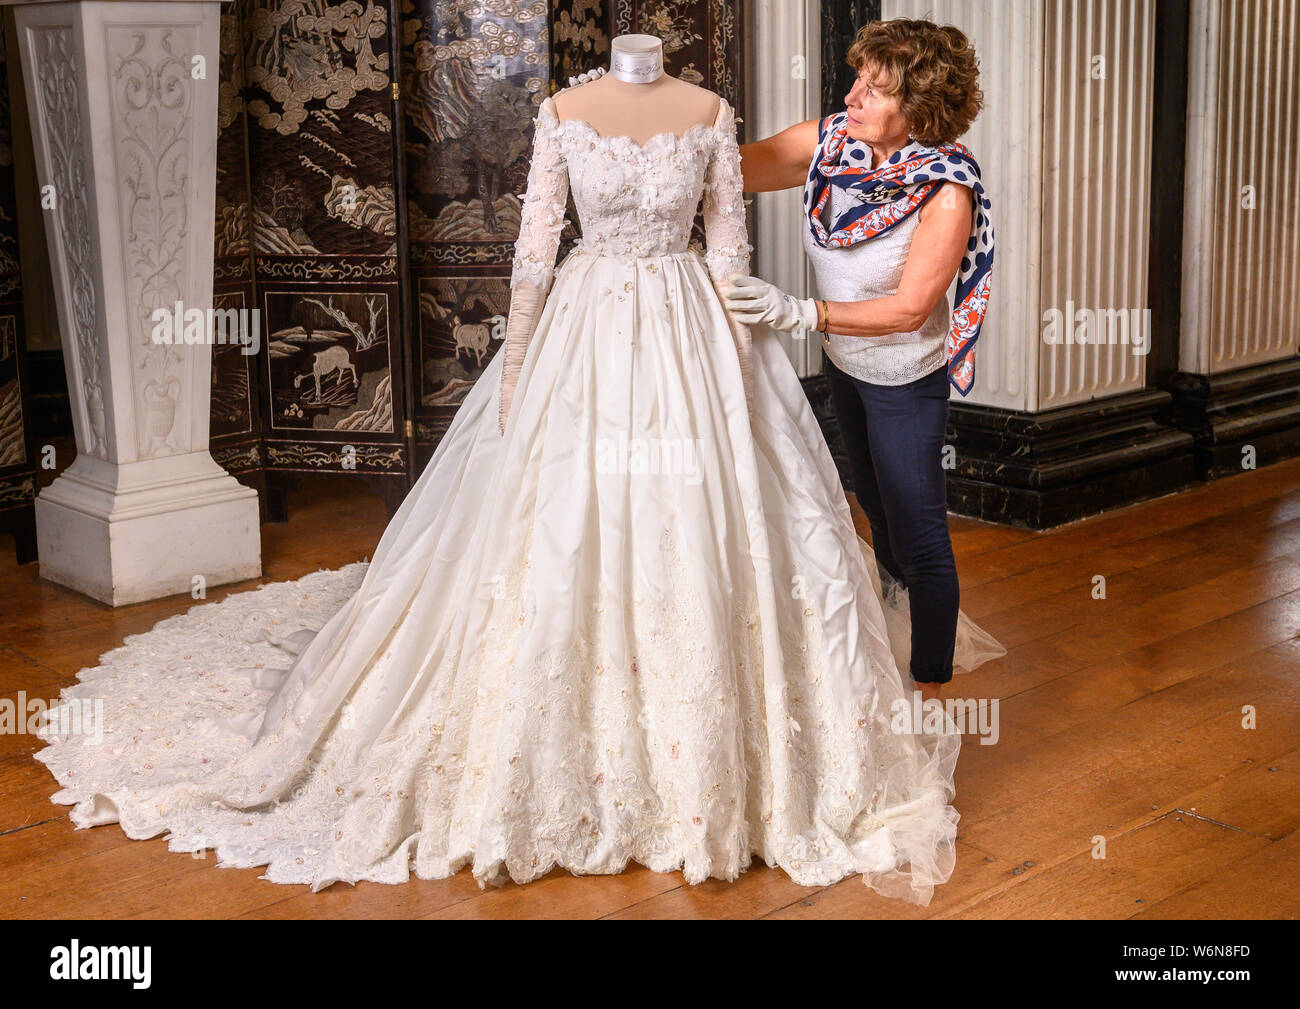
(826, 317)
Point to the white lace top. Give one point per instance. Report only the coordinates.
(634, 200)
(868, 270)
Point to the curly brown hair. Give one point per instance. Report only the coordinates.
(931, 69)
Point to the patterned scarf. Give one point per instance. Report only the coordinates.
(888, 194)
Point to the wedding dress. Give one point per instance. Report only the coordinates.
(639, 625)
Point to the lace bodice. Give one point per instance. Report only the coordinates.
(633, 199)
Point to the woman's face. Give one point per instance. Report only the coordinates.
(874, 117)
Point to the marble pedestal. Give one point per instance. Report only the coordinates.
(122, 99)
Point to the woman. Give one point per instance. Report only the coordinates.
(884, 258)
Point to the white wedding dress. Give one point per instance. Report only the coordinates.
(639, 625)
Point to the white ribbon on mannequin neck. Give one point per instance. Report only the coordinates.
(637, 68)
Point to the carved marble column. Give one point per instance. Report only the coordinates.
(786, 73)
(123, 99)
(1237, 388)
(1059, 427)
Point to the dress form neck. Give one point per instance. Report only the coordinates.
(636, 59)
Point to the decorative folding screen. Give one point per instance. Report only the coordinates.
(375, 247)
(320, 106)
(473, 77)
(236, 417)
(17, 467)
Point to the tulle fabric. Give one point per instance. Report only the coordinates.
(974, 645)
(562, 653)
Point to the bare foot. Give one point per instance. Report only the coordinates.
(929, 691)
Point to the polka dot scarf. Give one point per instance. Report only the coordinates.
(886, 195)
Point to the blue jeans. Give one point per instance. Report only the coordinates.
(894, 436)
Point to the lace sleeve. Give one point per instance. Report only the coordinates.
(541, 216)
(727, 242)
(541, 220)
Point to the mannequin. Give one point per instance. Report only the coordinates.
(636, 98)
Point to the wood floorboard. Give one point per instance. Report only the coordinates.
(1119, 719)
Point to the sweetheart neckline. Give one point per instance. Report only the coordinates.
(641, 147)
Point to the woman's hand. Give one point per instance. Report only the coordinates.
(753, 300)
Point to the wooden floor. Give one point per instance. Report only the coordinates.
(1120, 718)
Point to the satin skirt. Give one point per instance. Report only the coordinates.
(639, 626)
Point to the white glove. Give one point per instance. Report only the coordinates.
(753, 300)
(590, 75)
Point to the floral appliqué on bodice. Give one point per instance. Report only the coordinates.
(635, 200)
